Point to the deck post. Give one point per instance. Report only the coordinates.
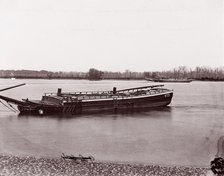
(59, 92)
(114, 90)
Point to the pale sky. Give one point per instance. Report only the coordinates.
(115, 35)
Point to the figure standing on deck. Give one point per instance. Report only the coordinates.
(217, 165)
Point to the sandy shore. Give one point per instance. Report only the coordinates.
(29, 166)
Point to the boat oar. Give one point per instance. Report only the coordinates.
(12, 87)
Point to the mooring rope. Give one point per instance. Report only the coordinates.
(13, 107)
(8, 107)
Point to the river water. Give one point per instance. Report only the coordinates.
(185, 133)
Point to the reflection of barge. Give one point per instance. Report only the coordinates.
(95, 101)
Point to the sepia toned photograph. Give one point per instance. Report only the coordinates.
(112, 88)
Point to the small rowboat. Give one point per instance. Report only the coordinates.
(78, 158)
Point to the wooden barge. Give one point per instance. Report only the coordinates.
(95, 101)
(170, 80)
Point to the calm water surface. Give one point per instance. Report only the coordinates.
(186, 133)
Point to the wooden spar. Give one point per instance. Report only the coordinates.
(11, 100)
(139, 88)
(12, 87)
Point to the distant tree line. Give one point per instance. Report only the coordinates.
(43, 74)
(182, 72)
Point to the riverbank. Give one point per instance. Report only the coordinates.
(30, 166)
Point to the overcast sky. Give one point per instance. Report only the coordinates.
(115, 35)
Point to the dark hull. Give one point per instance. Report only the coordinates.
(29, 109)
(173, 81)
(102, 105)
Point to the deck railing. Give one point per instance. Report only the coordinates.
(87, 95)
